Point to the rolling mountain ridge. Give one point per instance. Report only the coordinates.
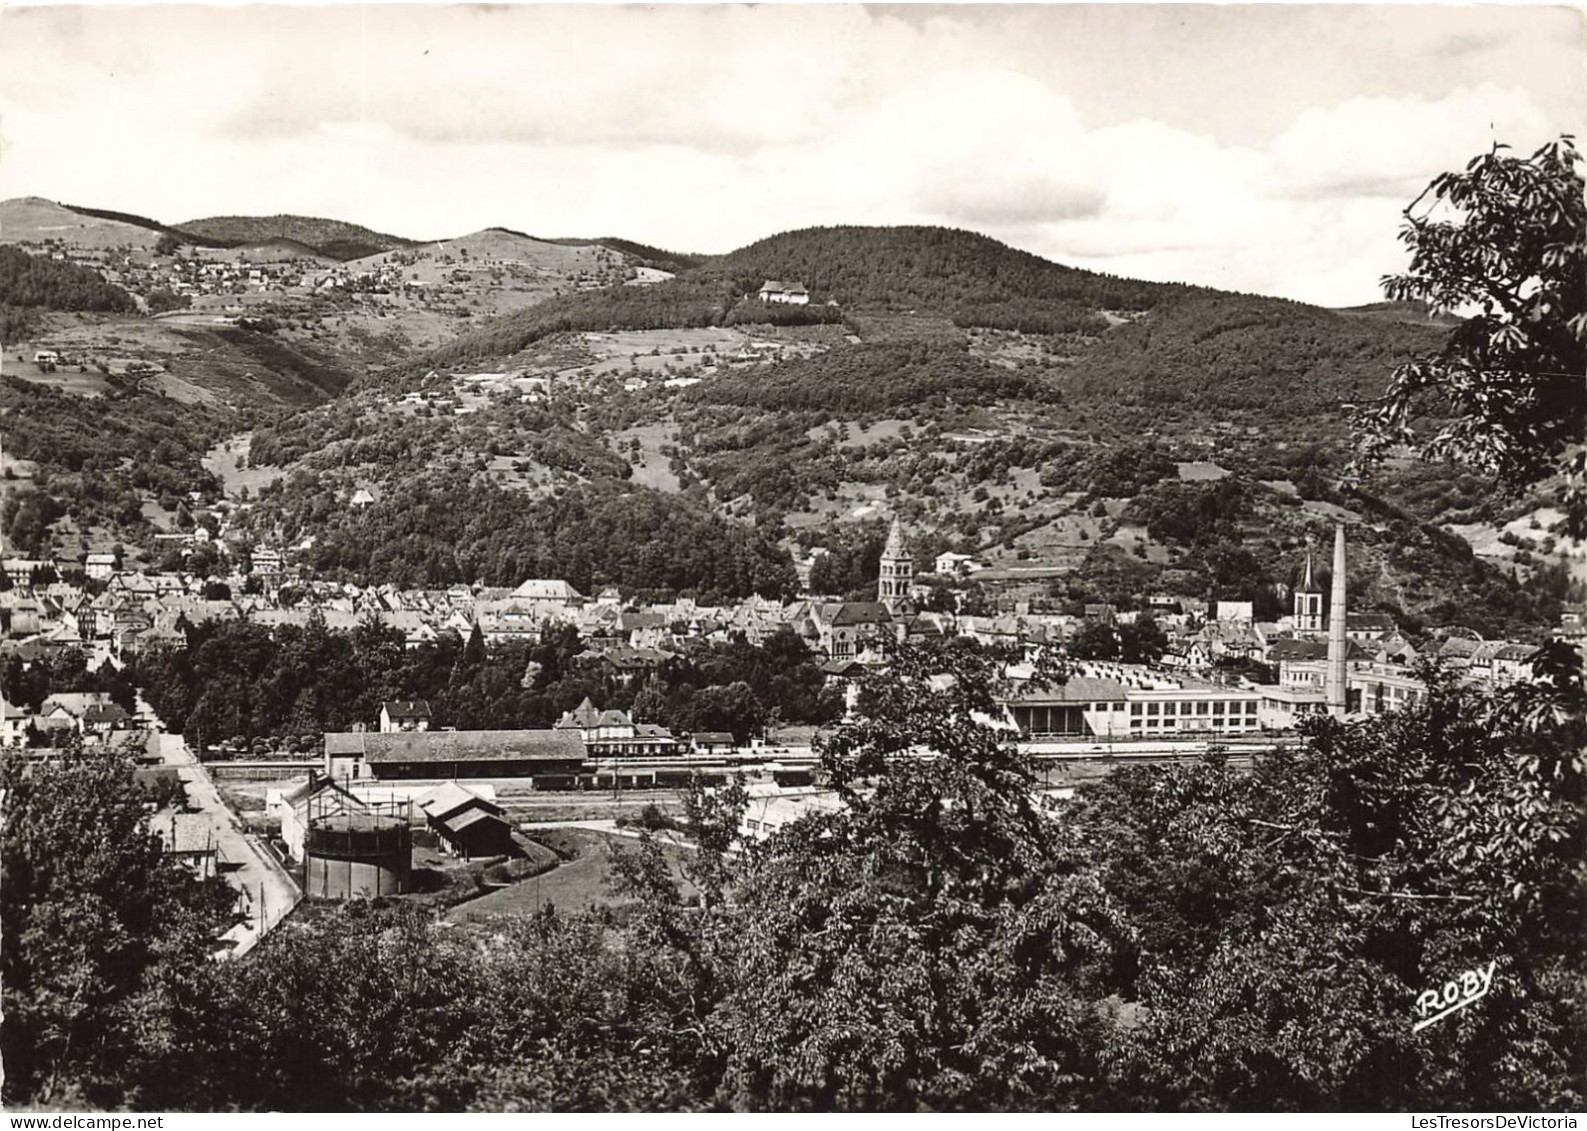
(1020, 375)
(336, 239)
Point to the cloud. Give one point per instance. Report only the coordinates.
(704, 128)
(1389, 146)
(697, 76)
(1459, 44)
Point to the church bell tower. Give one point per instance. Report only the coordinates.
(897, 571)
(1308, 601)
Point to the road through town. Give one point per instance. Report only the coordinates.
(266, 893)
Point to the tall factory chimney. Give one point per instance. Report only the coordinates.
(1338, 643)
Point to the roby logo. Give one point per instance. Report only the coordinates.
(1454, 995)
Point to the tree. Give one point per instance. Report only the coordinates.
(1096, 641)
(161, 299)
(1286, 919)
(929, 944)
(104, 932)
(935, 941)
(1506, 238)
(650, 704)
(1143, 641)
(733, 707)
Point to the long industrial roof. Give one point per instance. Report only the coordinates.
(459, 746)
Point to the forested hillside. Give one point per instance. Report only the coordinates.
(1019, 445)
(31, 282)
(675, 303)
(971, 279)
(1238, 538)
(1206, 356)
(1163, 344)
(642, 255)
(335, 238)
(943, 269)
(96, 458)
(873, 378)
(143, 222)
(444, 529)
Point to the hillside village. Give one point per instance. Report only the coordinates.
(229, 282)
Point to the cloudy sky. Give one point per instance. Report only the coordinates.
(1261, 148)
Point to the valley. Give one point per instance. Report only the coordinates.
(792, 558)
(1045, 422)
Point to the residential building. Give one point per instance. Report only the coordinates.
(775, 290)
(547, 598)
(955, 565)
(404, 715)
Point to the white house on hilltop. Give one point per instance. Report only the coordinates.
(777, 291)
(956, 565)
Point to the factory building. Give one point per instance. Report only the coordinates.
(1101, 707)
(1117, 701)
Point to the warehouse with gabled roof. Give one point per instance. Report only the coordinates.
(452, 754)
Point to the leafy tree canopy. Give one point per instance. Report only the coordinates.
(107, 938)
(1507, 394)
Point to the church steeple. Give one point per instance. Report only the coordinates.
(897, 570)
(1308, 600)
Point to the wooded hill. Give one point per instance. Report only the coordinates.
(143, 222)
(99, 459)
(972, 279)
(670, 305)
(1127, 344)
(875, 377)
(1260, 385)
(334, 238)
(1264, 362)
(445, 529)
(963, 274)
(640, 254)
